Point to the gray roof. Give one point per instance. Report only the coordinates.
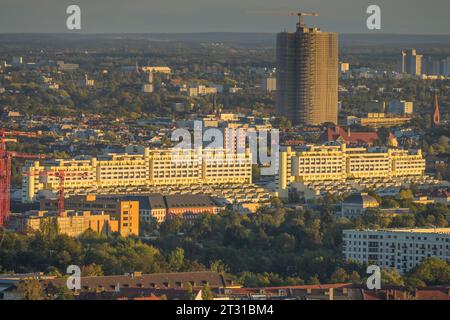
(149, 201)
(155, 280)
(360, 198)
(183, 201)
(156, 201)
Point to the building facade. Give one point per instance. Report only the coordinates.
(357, 204)
(337, 162)
(154, 167)
(75, 223)
(307, 76)
(402, 249)
(269, 84)
(411, 62)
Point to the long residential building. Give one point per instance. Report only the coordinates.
(402, 249)
(156, 167)
(338, 162)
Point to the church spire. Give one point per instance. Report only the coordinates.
(436, 115)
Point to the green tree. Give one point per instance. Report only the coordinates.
(218, 266)
(31, 289)
(176, 259)
(91, 270)
(207, 293)
(339, 276)
(190, 290)
(313, 280)
(391, 278)
(432, 271)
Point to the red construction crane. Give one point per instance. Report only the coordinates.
(61, 175)
(5, 170)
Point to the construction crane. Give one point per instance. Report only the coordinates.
(300, 15)
(5, 170)
(301, 20)
(61, 175)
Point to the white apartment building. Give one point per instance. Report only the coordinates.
(156, 167)
(338, 163)
(402, 249)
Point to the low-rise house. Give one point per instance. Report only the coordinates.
(357, 204)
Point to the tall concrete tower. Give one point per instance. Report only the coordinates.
(307, 75)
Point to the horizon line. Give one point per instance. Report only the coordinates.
(210, 32)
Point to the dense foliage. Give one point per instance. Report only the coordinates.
(274, 247)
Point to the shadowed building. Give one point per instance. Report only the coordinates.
(411, 62)
(307, 75)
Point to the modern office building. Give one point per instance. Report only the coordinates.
(338, 162)
(156, 167)
(402, 249)
(401, 107)
(307, 75)
(411, 62)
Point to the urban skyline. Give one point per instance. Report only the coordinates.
(303, 167)
(142, 16)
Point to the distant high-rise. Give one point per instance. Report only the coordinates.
(436, 115)
(411, 62)
(307, 75)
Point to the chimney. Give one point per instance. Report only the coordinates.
(348, 131)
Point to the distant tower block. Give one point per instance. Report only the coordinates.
(436, 115)
(307, 75)
(148, 87)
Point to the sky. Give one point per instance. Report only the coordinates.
(179, 16)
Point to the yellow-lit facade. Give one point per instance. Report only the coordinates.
(151, 168)
(339, 163)
(73, 224)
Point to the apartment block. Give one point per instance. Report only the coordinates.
(402, 249)
(156, 167)
(337, 162)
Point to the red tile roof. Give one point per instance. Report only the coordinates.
(349, 137)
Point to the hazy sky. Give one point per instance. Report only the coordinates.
(142, 16)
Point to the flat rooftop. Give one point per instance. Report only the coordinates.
(408, 230)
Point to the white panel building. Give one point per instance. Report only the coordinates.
(402, 249)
